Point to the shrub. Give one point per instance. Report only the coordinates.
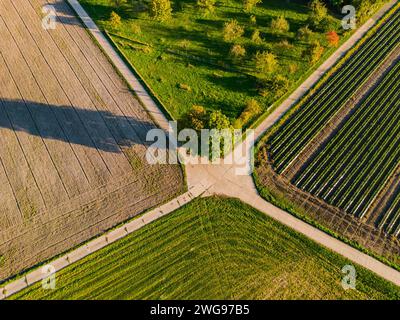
(314, 52)
(285, 45)
(305, 33)
(318, 13)
(196, 117)
(206, 5)
(184, 86)
(218, 121)
(135, 28)
(255, 37)
(332, 38)
(265, 62)
(293, 67)
(237, 51)
(184, 44)
(248, 5)
(160, 9)
(115, 20)
(280, 24)
(250, 111)
(277, 86)
(232, 30)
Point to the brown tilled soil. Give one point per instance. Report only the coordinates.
(72, 139)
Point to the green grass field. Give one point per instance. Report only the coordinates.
(213, 248)
(186, 61)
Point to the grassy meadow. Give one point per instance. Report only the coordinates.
(213, 248)
(186, 60)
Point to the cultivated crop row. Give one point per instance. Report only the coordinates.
(353, 167)
(390, 221)
(299, 130)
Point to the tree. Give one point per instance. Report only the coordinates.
(160, 9)
(232, 30)
(318, 13)
(248, 5)
(115, 20)
(266, 62)
(280, 24)
(207, 5)
(218, 121)
(314, 52)
(333, 38)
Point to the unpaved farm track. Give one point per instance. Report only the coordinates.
(72, 139)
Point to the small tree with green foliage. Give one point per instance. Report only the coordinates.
(266, 62)
(248, 5)
(318, 14)
(196, 117)
(218, 120)
(160, 9)
(207, 5)
(115, 20)
(232, 30)
(305, 33)
(237, 52)
(280, 24)
(255, 37)
(314, 52)
(250, 111)
(274, 85)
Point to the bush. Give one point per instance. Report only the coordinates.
(237, 51)
(206, 5)
(285, 45)
(255, 37)
(196, 117)
(115, 20)
(280, 24)
(276, 86)
(218, 121)
(318, 14)
(332, 38)
(314, 52)
(293, 67)
(184, 86)
(250, 111)
(304, 33)
(265, 62)
(160, 9)
(135, 28)
(248, 5)
(232, 30)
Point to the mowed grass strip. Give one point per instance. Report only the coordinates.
(186, 61)
(213, 248)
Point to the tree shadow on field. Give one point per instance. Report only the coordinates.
(98, 129)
